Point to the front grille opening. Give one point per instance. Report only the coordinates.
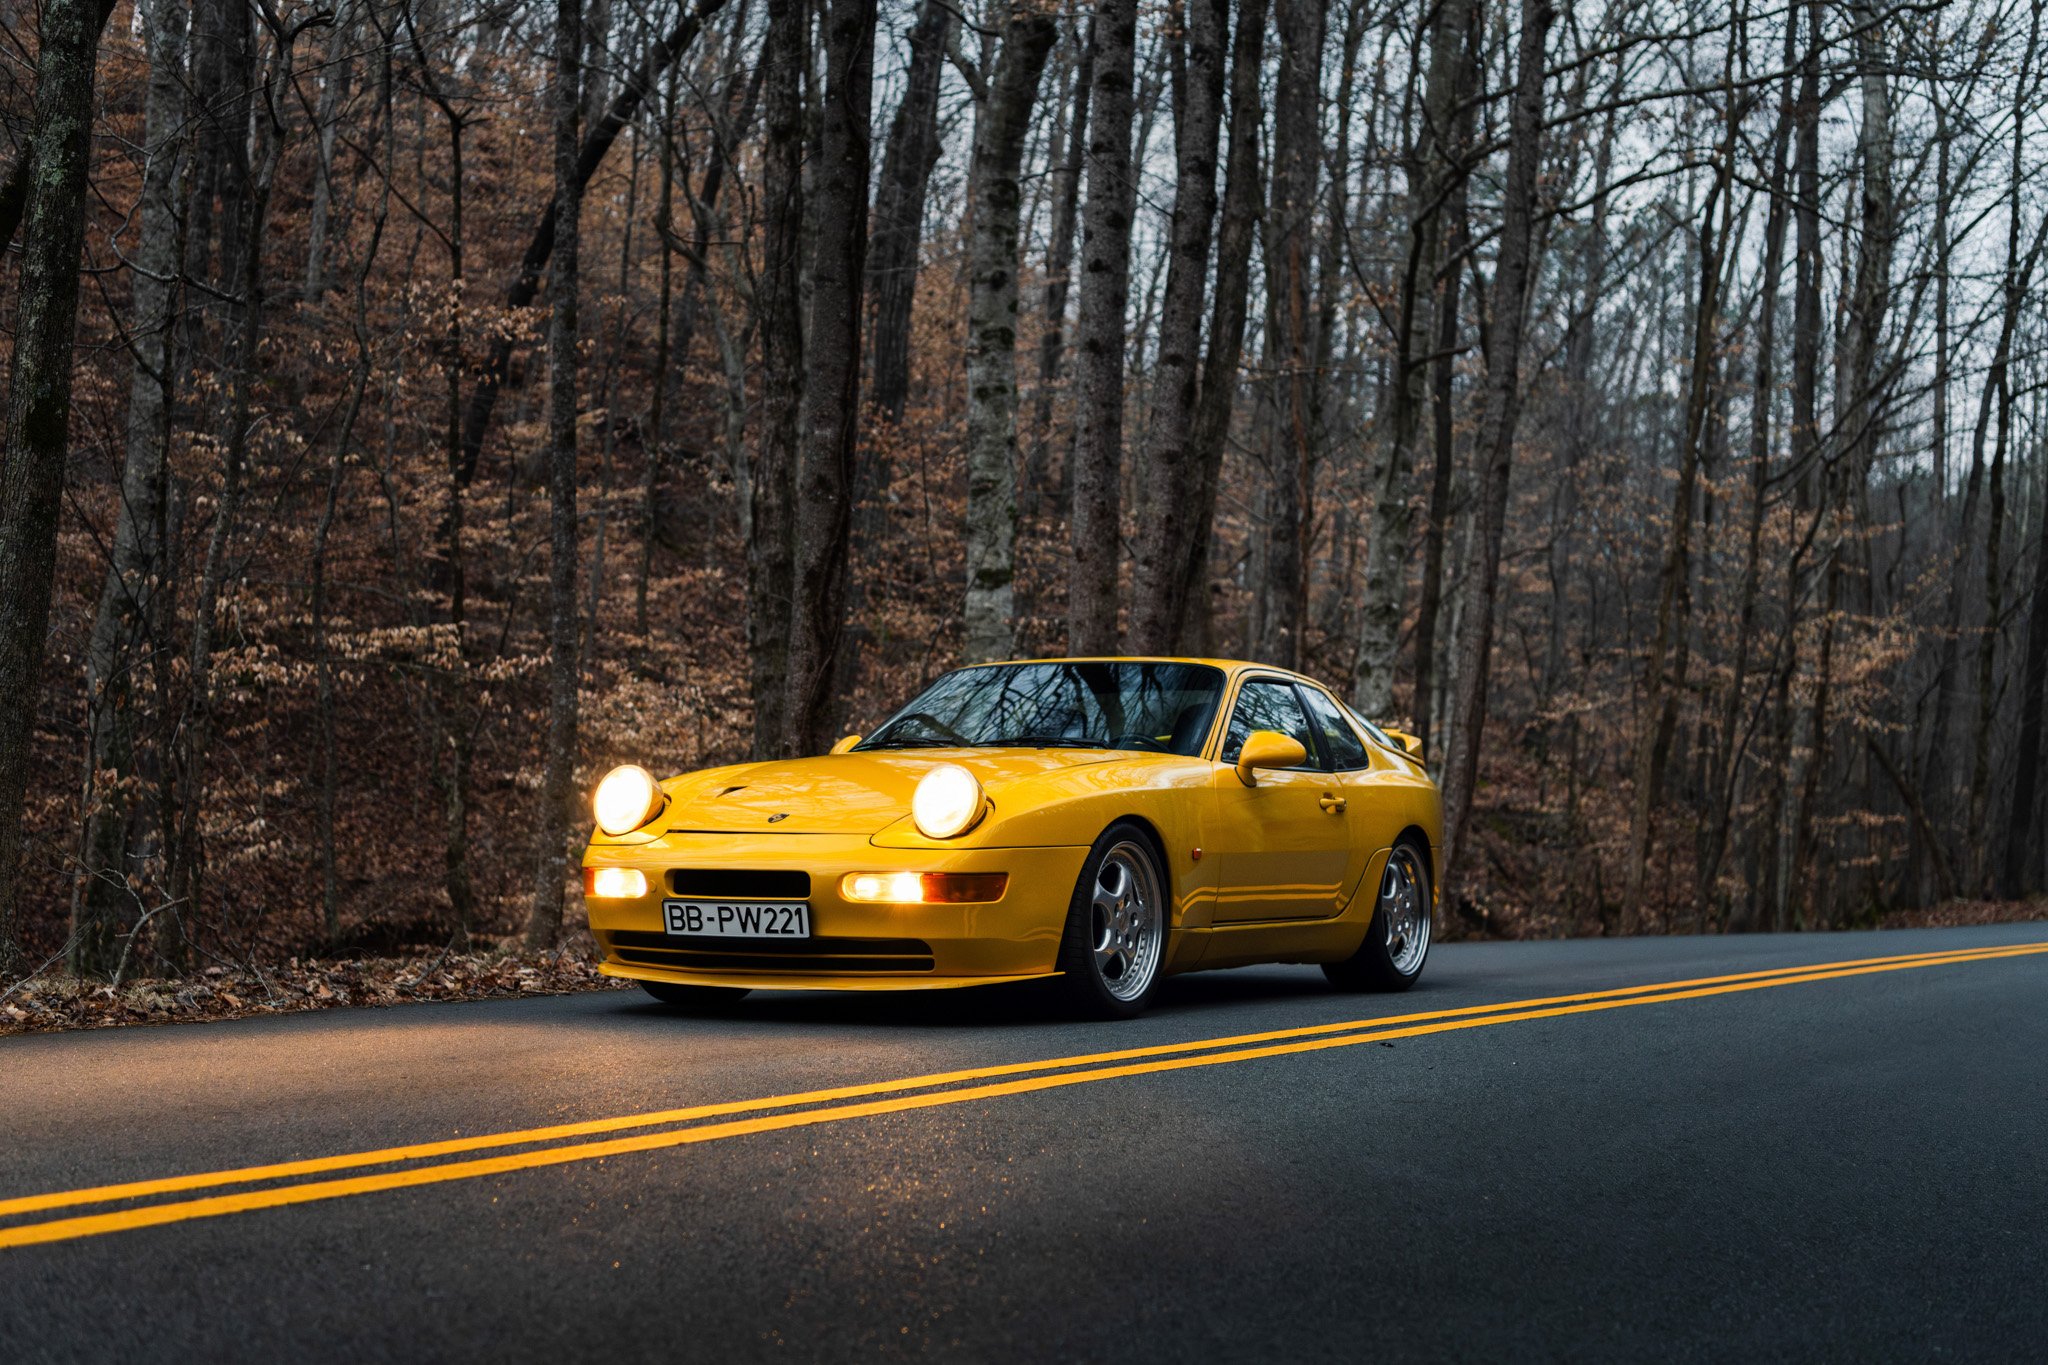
(739, 884)
(772, 954)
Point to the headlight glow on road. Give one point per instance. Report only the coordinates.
(947, 802)
(626, 799)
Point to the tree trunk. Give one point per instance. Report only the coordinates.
(676, 340)
(39, 407)
(1289, 235)
(544, 921)
(1804, 437)
(1105, 290)
(1501, 400)
(2022, 871)
(1429, 168)
(1059, 264)
(657, 404)
(15, 188)
(831, 427)
(778, 302)
(334, 79)
(913, 149)
(1443, 374)
(116, 840)
(1665, 670)
(1987, 642)
(1158, 582)
(1218, 393)
(1001, 126)
(324, 727)
(1723, 797)
(245, 222)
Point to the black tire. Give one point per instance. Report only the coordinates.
(1110, 962)
(1389, 960)
(694, 999)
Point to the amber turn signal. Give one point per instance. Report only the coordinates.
(923, 888)
(614, 883)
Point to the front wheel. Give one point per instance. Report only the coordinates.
(1397, 941)
(1115, 939)
(694, 999)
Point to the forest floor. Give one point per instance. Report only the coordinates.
(51, 1001)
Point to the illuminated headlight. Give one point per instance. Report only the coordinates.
(627, 799)
(614, 883)
(948, 802)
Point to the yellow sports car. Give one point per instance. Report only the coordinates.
(1105, 822)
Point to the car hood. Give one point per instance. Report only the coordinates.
(855, 793)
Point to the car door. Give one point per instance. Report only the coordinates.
(1284, 845)
(1349, 762)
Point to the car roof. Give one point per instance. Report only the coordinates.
(1230, 666)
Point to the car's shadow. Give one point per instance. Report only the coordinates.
(1025, 1004)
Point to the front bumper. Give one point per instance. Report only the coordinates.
(853, 946)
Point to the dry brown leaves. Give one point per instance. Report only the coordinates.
(1952, 914)
(54, 1002)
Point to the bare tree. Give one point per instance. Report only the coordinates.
(116, 830)
(778, 302)
(1105, 291)
(831, 415)
(912, 151)
(39, 406)
(1289, 236)
(1501, 406)
(1158, 581)
(1003, 120)
(1242, 182)
(544, 923)
(1429, 169)
(597, 143)
(1059, 262)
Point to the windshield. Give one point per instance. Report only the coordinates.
(1158, 707)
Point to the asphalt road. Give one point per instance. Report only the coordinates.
(1852, 1165)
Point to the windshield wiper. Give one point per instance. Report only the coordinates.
(1054, 742)
(912, 743)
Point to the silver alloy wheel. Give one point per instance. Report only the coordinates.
(1404, 909)
(1127, 920)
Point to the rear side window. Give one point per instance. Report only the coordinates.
(1266, 704)
(1341, 748)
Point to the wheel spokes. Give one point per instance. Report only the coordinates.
(1403, 910)
(1126, 921)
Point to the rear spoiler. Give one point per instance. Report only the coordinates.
(1412, 743)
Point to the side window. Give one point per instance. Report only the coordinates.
(1266, 704)
(1342, 750)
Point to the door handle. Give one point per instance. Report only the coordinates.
(1332, 803)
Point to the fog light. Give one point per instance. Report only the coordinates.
(614, 883)
(923, 888)
(886, 888)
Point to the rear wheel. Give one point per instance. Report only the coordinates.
(1397, 941)
(694, 999)
(1115, 939)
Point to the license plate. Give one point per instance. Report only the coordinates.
(736, 919)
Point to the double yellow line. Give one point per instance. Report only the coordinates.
(301, 1182)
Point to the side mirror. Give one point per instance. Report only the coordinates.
(1268, 749)
(1412, 743)
(847, 743)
